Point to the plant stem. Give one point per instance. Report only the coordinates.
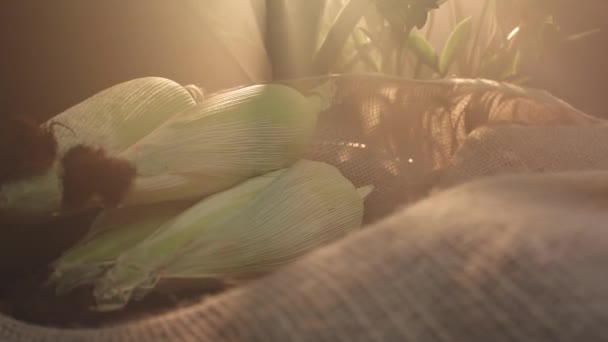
(288, 21)
(474, 45)
(429, 33)
(403, 45)
(399, 56)
(453, 13)
(337, 36)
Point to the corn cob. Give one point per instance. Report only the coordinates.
(221, 142)
(115, 231)
(243, 232)
(112, 232)
(112, 119)
(178, 149)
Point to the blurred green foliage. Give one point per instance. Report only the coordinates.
(504, 40)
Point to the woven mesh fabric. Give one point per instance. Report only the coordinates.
(402, 135)
(407, 138)
(491, 151)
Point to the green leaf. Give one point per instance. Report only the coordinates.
(455, 45)
(371, 37)
(363, 45)
(424, 51)
(361, 36)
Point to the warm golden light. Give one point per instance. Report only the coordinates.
(513, 33)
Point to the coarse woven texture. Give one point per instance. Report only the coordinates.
(407, 136)
(508, 258)
(489, 151)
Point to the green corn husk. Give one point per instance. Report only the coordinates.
(113, 119)
(221, 142)
(181, 149)
(116, 231)
(243, 232)
(112, 233)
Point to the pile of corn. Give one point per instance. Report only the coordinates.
(221, 188)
